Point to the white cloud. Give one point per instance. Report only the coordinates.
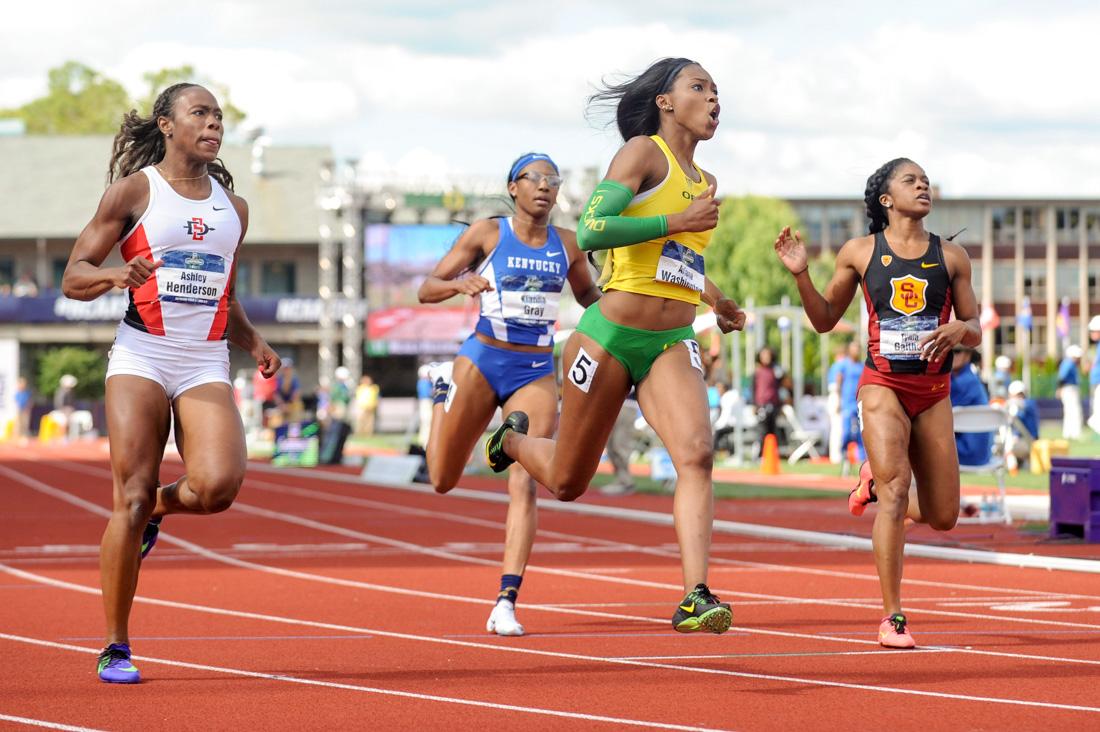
(815, 97)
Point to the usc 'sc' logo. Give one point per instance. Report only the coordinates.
(907, 294)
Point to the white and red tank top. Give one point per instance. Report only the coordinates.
(906, 300)
(187, 297)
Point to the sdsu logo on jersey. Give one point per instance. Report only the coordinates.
(907, 294)
(197, 229)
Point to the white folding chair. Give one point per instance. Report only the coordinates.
(807, 439)
(985, 418)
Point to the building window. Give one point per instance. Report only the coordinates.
(1035, 287)
(57, 271)
(244, 278)
(7, 272)
(277, 278)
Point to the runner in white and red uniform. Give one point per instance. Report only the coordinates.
(912, 280)
(172, 211)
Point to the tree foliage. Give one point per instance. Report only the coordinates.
(78, 101)
(81, 101)
(87, 365)
(160, 80)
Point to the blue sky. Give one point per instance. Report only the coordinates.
(993, 98)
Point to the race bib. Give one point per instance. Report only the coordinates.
(530, 306)
(680, 266)
(899, 338)
(192, 277)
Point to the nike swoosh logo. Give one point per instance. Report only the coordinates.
(552, 254)
(925, 265)
(220, 209)
(538, 364)
(688, 608)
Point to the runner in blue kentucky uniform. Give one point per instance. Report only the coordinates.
(517, 266)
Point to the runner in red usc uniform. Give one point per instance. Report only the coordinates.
(171, 210)
(912, 280)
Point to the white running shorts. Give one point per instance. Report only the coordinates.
(176, 365)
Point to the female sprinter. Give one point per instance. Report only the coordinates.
(911, 280)
(522, 263)
(179, 226)
(654, 211)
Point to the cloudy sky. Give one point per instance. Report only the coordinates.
(992, 97)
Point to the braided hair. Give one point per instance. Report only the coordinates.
(139, 141)
(633, 100)
(876, 186)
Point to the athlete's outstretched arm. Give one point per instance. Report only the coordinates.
(965, 328)
(824, 311)
(84, 279)
(639, 165)
(467, 251)
(240, 329)
(580, 274)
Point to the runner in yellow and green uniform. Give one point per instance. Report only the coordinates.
(654, 211)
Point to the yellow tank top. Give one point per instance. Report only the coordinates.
(671, 266)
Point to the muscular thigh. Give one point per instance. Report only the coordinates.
(209, 432)
(138, 418)
(539, 401)
(673, 398)
(935, 460)
(469, 407)
(593, 389)
(886, 433)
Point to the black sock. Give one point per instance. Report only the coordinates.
(509, 587)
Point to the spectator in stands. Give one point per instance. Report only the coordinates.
(25, 286)
(1094, 374)
(974, 448)
(366, 404)
(288, 392)
(620, 447)
(1069, 392)
(24, 400)
(1018, 446)
(1002, 375)
(730, 408)
(339, 393)
(765, 391)
(263, 394)
(850, 373)
(832, 406)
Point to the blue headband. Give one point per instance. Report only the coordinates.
(527, 160)
(672, 74)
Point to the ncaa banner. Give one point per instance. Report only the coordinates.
(9, 373)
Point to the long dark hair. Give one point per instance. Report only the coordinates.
(633, 100)
(139, 141)
(876, 186)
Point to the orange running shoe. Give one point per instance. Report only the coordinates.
(863, 493)
(894, 632)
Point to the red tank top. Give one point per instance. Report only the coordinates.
(906, 300)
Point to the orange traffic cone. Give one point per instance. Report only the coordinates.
(853, 454)
(769, 461)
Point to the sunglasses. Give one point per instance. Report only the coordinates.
(554, 181)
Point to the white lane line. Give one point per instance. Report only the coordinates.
(720, 656)
(43, 723)
(760, 531)
(215, 556)
(555, 654)
(284, 678)
(486, 496)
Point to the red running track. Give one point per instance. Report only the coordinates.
(318, 603)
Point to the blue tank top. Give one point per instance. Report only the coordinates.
(527, 285)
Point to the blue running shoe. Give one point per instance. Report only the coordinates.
(149, 536)
(115, 666)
